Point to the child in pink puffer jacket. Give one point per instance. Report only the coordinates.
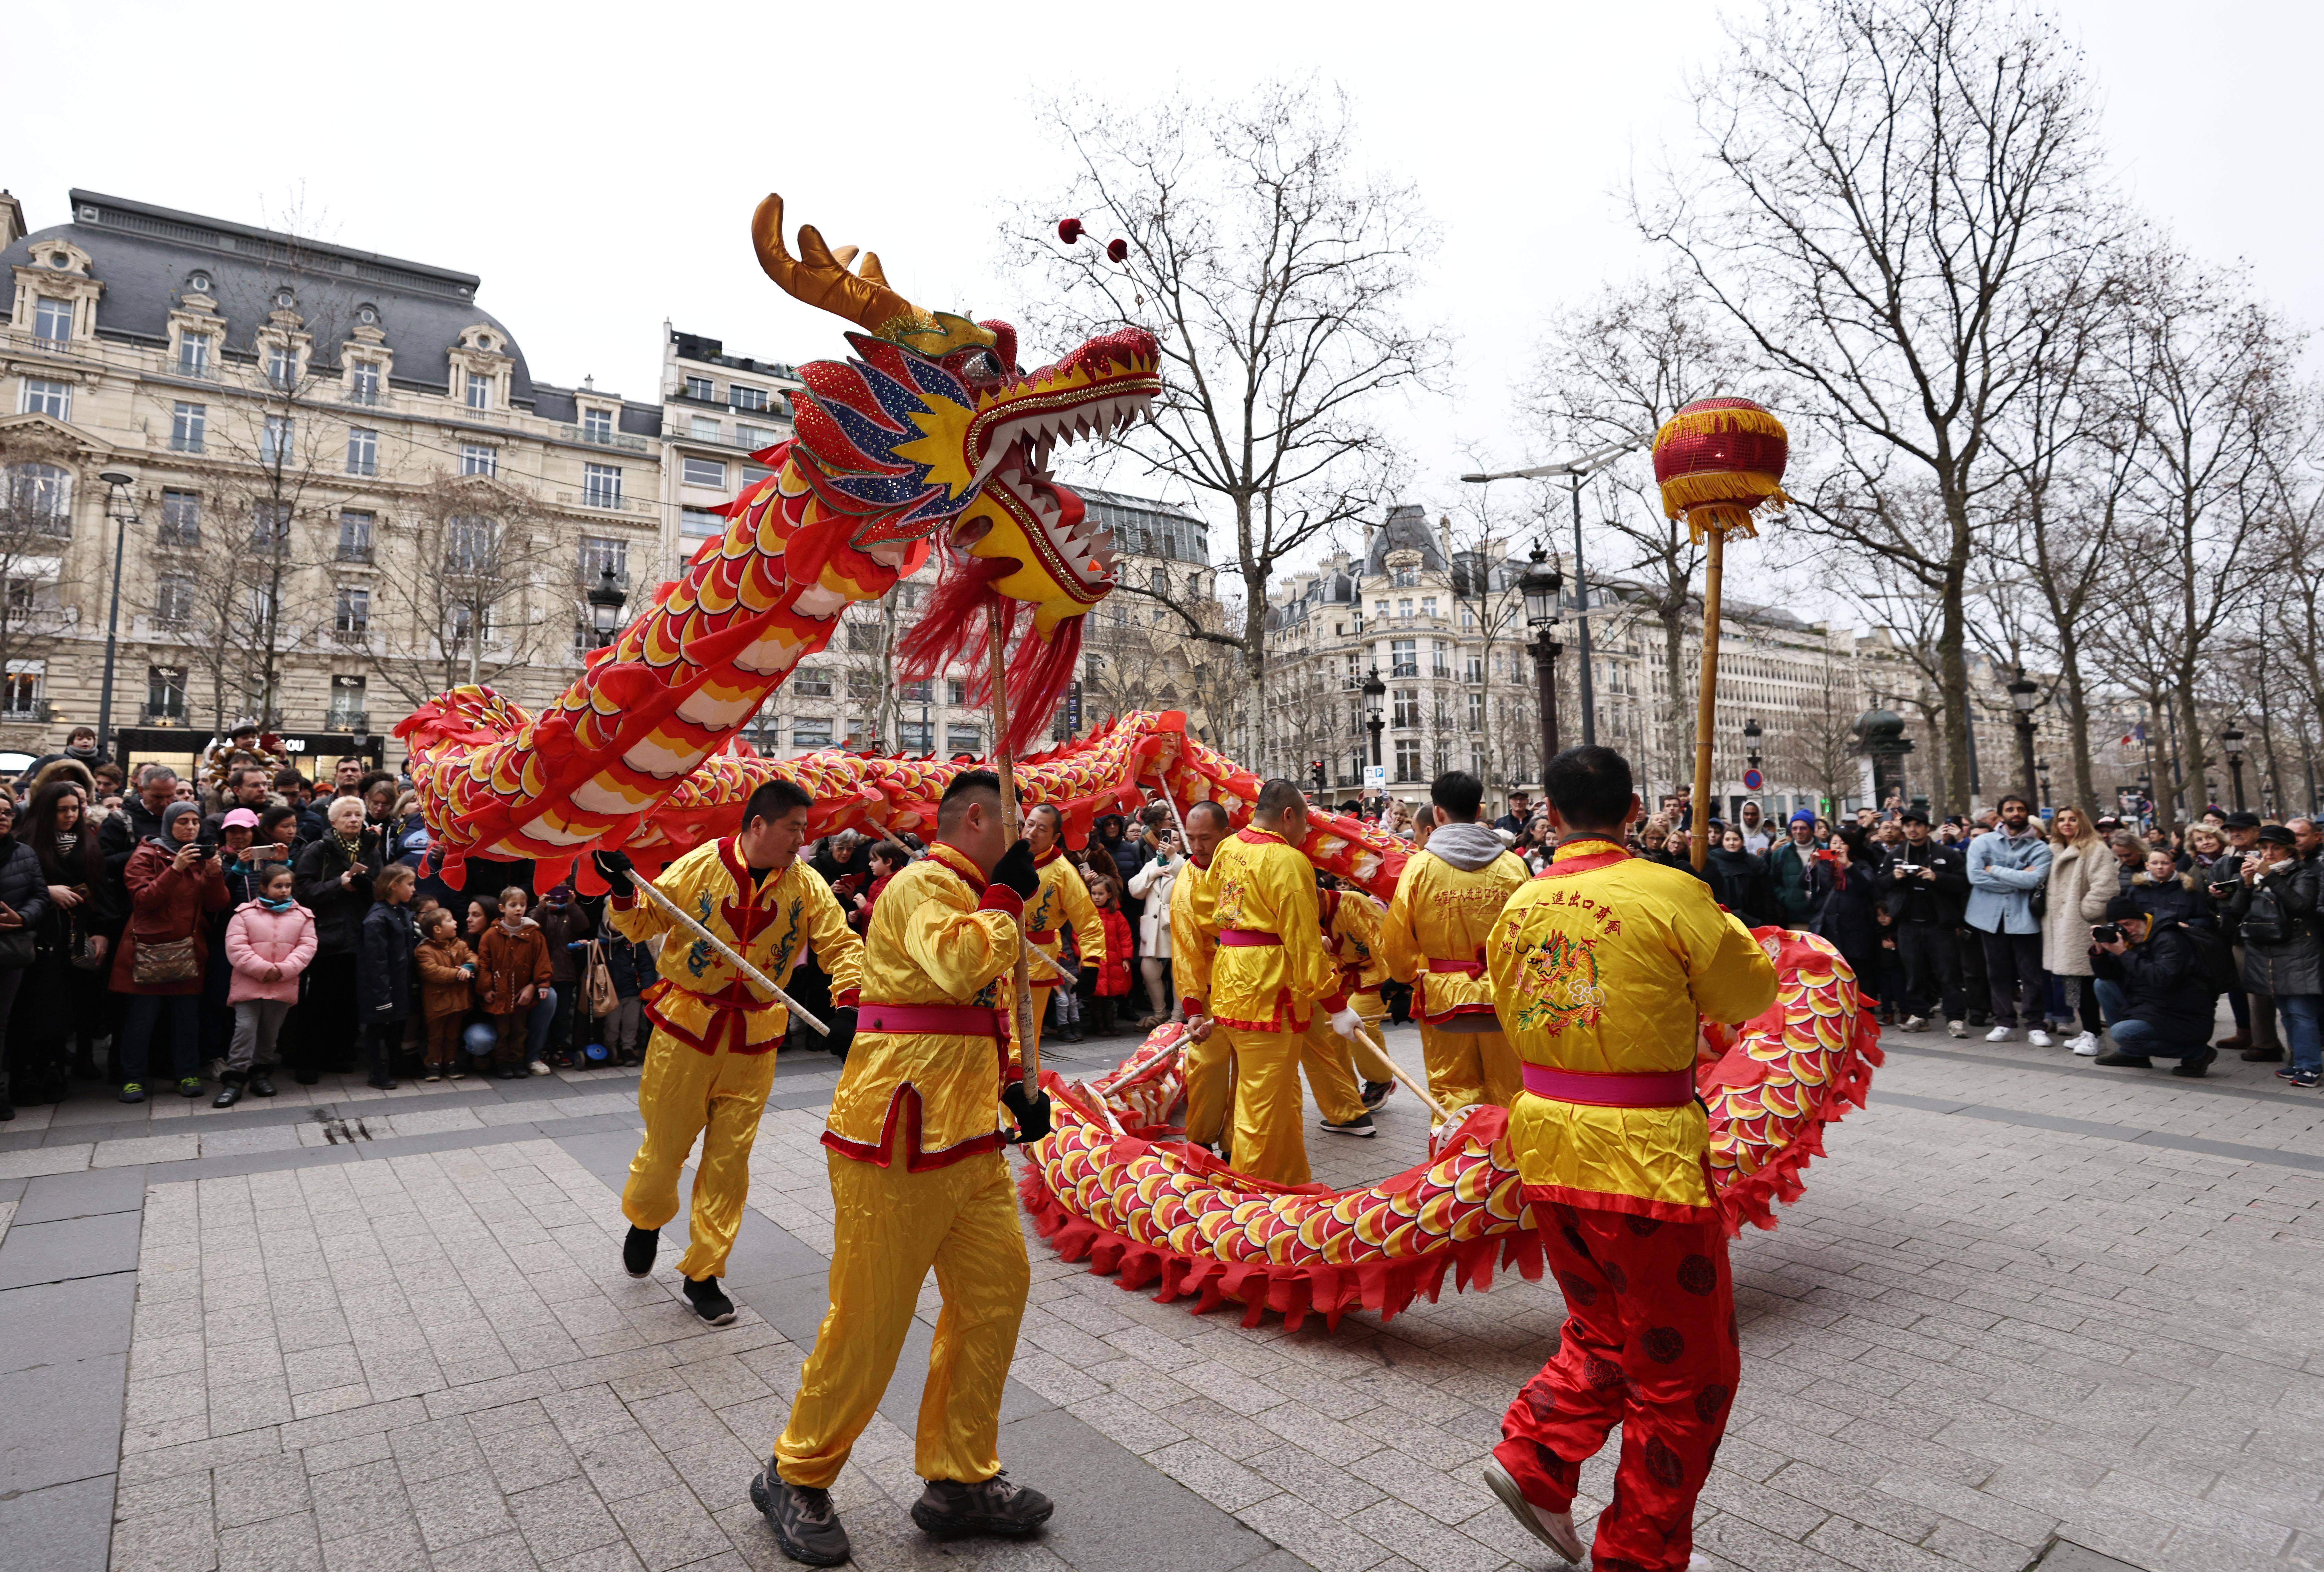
(269, 942)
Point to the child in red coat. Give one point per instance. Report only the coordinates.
(1113, 969)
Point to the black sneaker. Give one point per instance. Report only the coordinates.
(1376, 1093)
(637, 1251)
(2194, 1064)
(2125, 1061)
(134, 1092)
(710, 1304)
(997, 1506)
(260, 1083)
(805, 1527)
(1362, 1125)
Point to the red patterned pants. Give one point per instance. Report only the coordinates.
(1650, 1343)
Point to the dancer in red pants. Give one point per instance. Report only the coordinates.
(1599, 968)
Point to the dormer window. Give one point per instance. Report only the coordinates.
(282, 364)
(194, 355)
(285, 298)
(480, 390)
(362, 382)
(199, 284)
(367, 315)
(52, 318)
(597, 425)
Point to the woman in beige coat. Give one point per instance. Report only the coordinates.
(2082, 879)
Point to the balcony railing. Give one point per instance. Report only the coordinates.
(620, 440)
(363, 466)
(353, 634)
(163, 715)
(203, 371)
(185, 444)
(360, 395)
(38, 713)
(352, 551)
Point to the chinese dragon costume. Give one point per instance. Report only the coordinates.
(931, 440)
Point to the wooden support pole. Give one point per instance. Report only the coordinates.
(1012, 823)
(1706, 701)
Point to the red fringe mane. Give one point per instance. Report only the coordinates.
(957, 627)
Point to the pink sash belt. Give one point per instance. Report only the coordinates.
(1658, 1088)
(1247, 939)
(939, 1020)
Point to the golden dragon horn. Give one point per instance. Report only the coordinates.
(821, 280)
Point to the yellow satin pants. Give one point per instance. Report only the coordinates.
(1471, 1067)
(1209, 1067)
(891, 1227)
(1269, 1107)
(685, 1093)
(1326, 1056)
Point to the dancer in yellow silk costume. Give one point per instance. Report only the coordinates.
(713, 1056)
(919, 1180)
(1058, 905)
(1601, 967)
(1193, 944)
(1352, 929)
(1269, 977)
(1435, 939)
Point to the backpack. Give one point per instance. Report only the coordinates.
(2215, 961)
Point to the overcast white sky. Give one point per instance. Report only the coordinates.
(598, 164)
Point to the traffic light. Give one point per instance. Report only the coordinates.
(1316, 769)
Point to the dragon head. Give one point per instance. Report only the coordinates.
(932, 426)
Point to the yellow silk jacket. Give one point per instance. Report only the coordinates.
(702, 1000)
(1351, 936)
(1193, 936)
(938, 937)
(1601, 964)
(1261, 884)
(1441, 917)
(1062, 903)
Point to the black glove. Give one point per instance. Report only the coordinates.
(1032, 1113)
(842, 1022)
(1016, 871)
(614, 868)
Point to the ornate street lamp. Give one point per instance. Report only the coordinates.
(1374, 691)
(2232, 739)
(2042, 773)
(606, 599)
(2022, 694)
(1751, 735)
(1542, 586)
(124, 512)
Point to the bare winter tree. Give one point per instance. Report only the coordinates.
(1274, 273)
(1893, 194)
(469, 579)
(1613, 371)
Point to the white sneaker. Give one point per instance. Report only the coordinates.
(1998, 1034)
(2087, 1045)
(1955, 1029)
(1554, 1529)
(2038, 1037)
(1917, 1022)
(538, 1066)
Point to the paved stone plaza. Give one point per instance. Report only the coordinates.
(2024, 1300)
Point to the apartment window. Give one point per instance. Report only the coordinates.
(597, 425)
(274, 444)
(1476, 709)
(811, 732)
(269, 526)
(813, 682)
(347, 712)
(700, 388)
(42, 396)
(165, 692)
(362, 451)
(42, 494)
(1404, 577)
(743, 398)
(964, 739)
(194, 354)
(353, 614)
(1468, 618)
(1404, 608)
(20, 688)
(1404, 658)
(601, 485)
(753, 437)
(703, 429)
(1407, 708)
(706, 471)
(181, 518)
(354, 535)
(699, 523)
(752, 474)
(187, 425)
(919, 693)
(480, 390)
(915, 736)
(173, 599)
(1428, 605)
(479, 458)
(1476, 668)
(1440, 658)
(863, 637)
(955, 690)
(362, 382)
(1408, 760)
(51, 319)
(467, 547)
(282, 364)
(598, 553)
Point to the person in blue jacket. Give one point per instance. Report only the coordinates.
(2008, 865)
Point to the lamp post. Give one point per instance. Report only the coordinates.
(1751, 735)
(1375, 691)
(2023, 693)
(1540, 584)
(2232, 739)
(606, 599)
(2042, 774)
(1575, 469)
(116, 483)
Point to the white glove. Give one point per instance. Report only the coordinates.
(1348, 1024)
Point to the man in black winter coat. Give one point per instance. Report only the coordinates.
(1924, 888)
(2153, 992)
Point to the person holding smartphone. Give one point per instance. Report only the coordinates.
(173, 879)
(333, 881)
